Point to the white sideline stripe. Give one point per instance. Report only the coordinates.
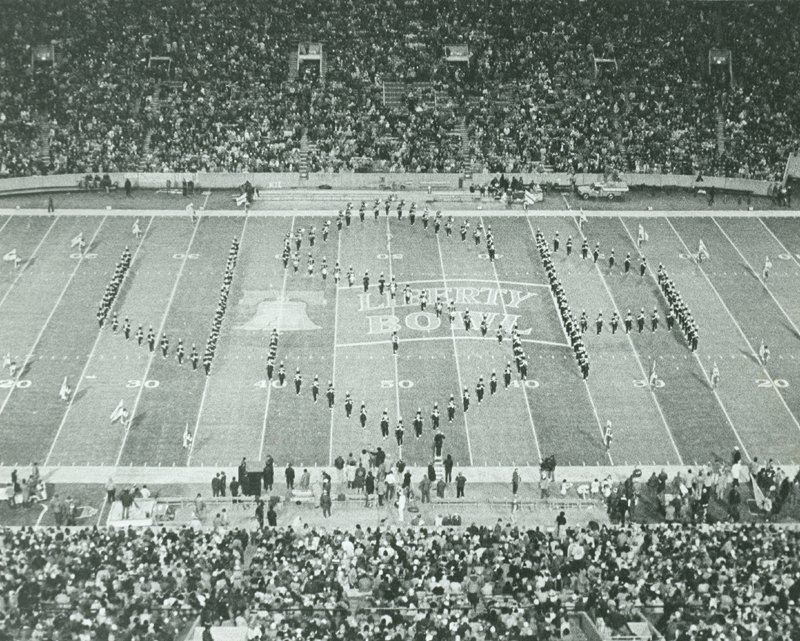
(455, 353)
(755, 273)
(208, 378)
(335, 334)
(696, 357)
(459, 280)
(53, 311)
(22, 269)
(278, 327)
(522, 387)
(446, 338)
(638, 360)
(743, 335)
(158, 335)
(564, 330)
(91, 354)
(392, 302)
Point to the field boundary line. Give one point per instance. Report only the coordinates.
(421, 339)
(696, 357)
(455, 353)
(91, 354)
(564, 331)
(335, 334)
(522, 387)
(27, 262)
(50, 316)
(635, 353)
(277, 327)
(8, 220)
(755, 273)
(158, 335)
(208, 378)
(467, 280)
(741, 333)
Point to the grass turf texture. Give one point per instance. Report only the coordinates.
(47, 322)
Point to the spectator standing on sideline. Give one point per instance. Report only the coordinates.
(272, 516)
(289, 477)
(50, 206)
(516, 479)
(260, 513)
(111, 491)
(461, 481)
(448, 469)
(561, 521)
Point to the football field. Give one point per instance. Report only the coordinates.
(343, 335)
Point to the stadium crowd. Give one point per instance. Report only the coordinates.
(144, 85)
(718, 581)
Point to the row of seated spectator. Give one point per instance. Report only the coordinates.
(705, 581)
(530, 96)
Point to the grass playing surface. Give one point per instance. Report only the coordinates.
(47, 323)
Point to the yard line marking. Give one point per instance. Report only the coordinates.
(207, 194)
(392, 301)
(91, 354)
(22, 270)
(467, 280)
(8, 220)
(697, 358)
(522, 387)
(786, 249)
(208, 378)
(160, 333)
(564, 330)
(335, 334)
(448, 338)
(755, 273)
(645, 377)
(741, 332)
(53, 311)
(455, 352)
(278, 327)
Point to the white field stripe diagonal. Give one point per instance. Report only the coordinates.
(522, 387)
(8, 220)
(645, 377)
(30, 258)
(760, 280)
(741, 332)
(455, 352)
(158, 335)
(564, 330)
(278, 327)
(91, 354)
(53, 311)
(208, 378)
(335, 338)
(394, 357)
(696, 357)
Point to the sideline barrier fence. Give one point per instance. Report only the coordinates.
(369, 182)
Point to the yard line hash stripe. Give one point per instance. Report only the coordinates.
(160, 333)
(91, 353)
(455, 353)
(567, 344)
(52, 312)
(335, 334)
(522, 387)
(278, 328)
(208, 378)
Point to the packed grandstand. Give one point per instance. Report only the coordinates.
(227, 99)
(223, 96)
